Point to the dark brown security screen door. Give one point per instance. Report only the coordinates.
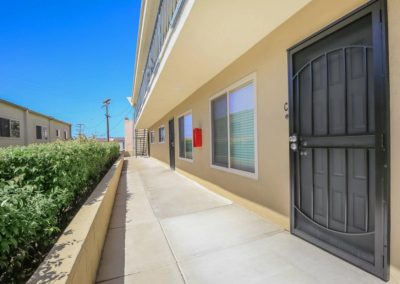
(337, 140)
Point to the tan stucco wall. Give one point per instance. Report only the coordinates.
(34, 120)
(62, 127)
(160, 150)
(128, 132)
(28, 121)
(13, 113)
(394, 71)
(268, 59)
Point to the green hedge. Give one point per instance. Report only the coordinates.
(38, 185)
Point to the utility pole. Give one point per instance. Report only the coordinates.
(79, 129)
(106, 103)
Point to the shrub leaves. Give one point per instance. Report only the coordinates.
(38, 184)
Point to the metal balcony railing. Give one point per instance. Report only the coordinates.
(167, 16)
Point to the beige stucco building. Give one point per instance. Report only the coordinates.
(21, 126)
(129, 135)
(292, 101)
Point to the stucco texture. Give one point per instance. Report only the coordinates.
(268, 60)
(394, 71)
(28, 121)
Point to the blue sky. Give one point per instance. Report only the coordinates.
(64, 57)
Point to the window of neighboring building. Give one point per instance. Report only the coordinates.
(152, 137)
(45, 133)
(15, 128)
(38, 132)
(58, 133)
(185, 136)
(65, 134)
(233, 129)
(161, 134)
(10, 128)
(41, 132)
(4, 127)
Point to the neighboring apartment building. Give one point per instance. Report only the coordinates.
(21, 126)
(285, 105)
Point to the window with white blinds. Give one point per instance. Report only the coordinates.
(219, 113)
(161, 134)
(233, 135)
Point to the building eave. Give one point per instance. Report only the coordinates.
(33, 112)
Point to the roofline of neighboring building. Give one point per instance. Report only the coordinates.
(32, 111)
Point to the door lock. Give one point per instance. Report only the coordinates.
(293, 142)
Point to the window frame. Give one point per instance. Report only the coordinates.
(58, 133)
(66, 135)
(43, 138)
(10, 120)
(19, 122)
(247, 80)
(179, 157)
(46, 137)
(159, 136)
(152, 135)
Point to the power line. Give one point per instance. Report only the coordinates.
(123, 112)
(120, 120)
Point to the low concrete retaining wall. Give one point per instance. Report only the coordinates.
(76, 255)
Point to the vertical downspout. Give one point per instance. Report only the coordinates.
(49, 134)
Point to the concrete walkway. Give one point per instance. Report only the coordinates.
(167, 229)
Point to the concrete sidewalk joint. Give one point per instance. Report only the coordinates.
(166, 228)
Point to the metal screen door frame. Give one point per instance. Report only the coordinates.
(378, 12)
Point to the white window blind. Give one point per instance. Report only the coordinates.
(185, 136)
(233, 135)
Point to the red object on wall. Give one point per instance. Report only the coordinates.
(197, 137)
